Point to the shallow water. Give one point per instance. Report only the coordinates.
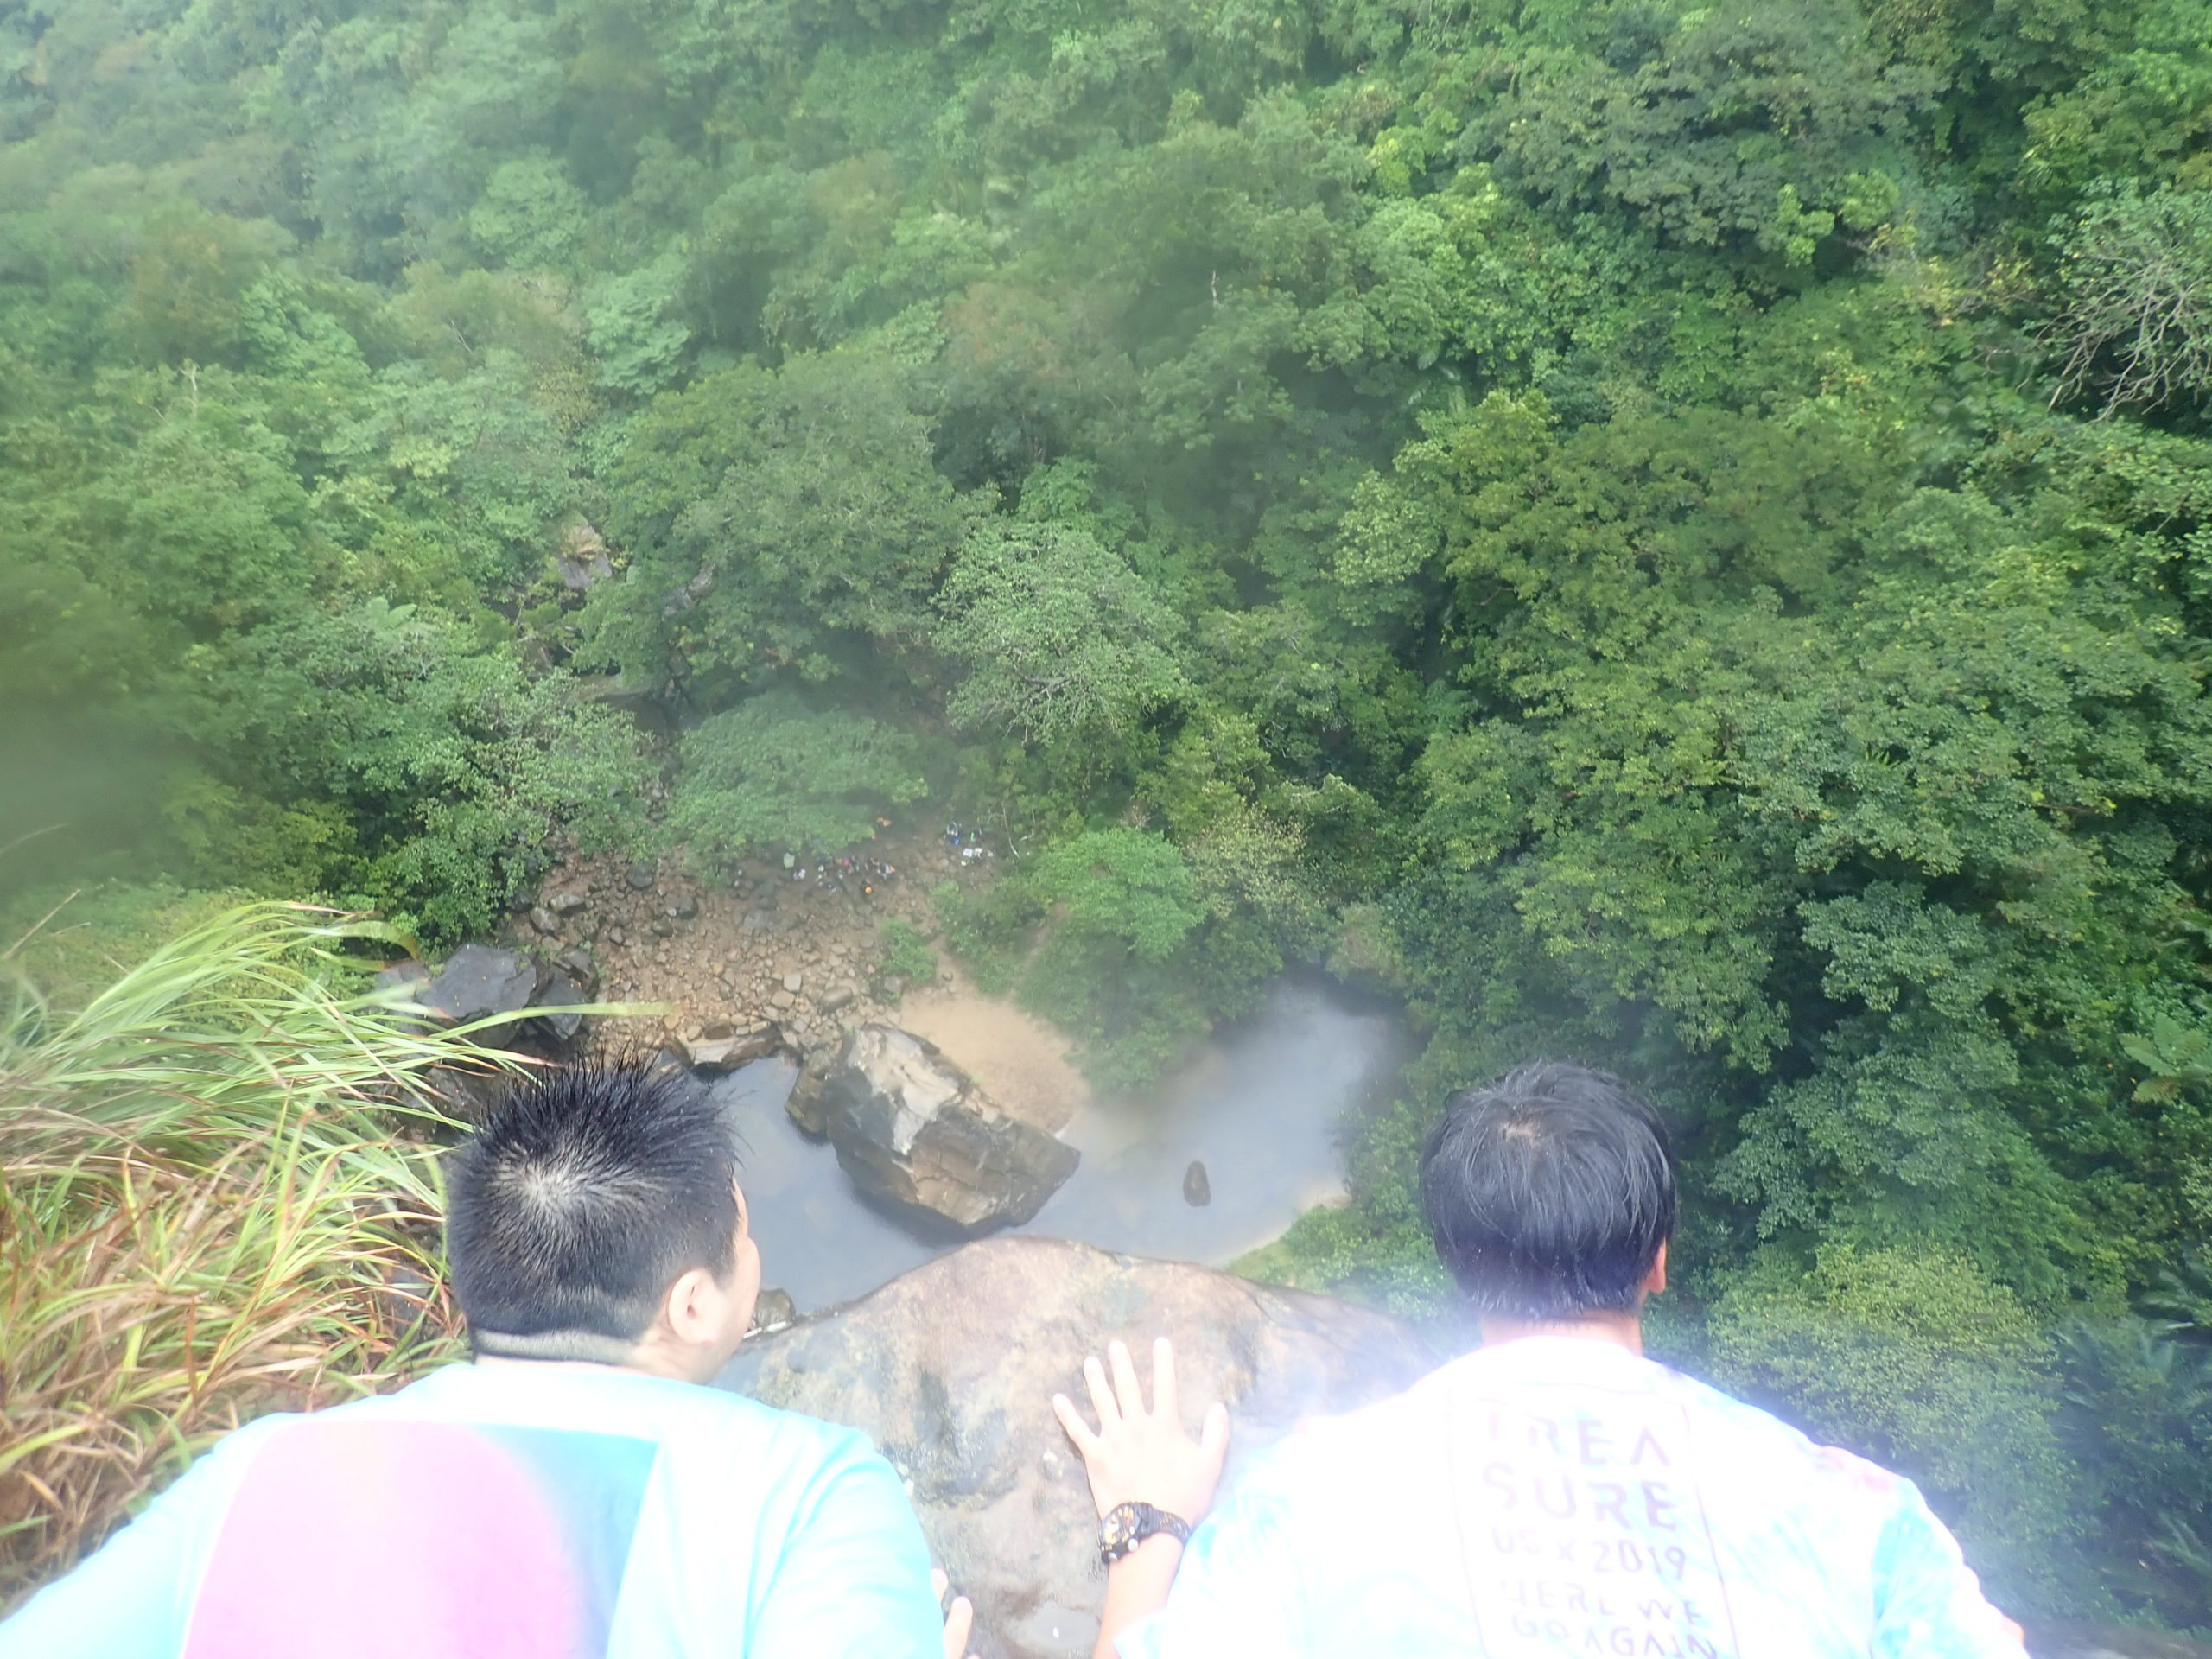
(1262, 1105)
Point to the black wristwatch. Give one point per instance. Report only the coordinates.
(1125, 1526)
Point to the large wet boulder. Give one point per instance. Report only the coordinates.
(480, 982)
(484, 982)
(912, 1128)
(952, 1370)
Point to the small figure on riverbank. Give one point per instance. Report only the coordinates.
(573, 1492)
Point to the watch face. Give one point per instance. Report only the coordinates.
(1124, 1525)
(1127, 1525)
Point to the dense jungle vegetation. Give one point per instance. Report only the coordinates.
(1676, 536)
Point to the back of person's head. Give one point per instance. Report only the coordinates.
(1548, 1193)
(584, 1196)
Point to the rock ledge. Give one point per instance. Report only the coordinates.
(951, 1370)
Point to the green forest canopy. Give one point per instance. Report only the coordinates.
(1680, 536)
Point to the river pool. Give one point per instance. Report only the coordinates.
(1262, 1105)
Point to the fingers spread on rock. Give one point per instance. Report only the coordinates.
(1126, 1386)
(1102, 1394)
(1071, 1420)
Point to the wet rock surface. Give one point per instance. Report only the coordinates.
(583, 561)
(558, 992)
(479, 981)
(912, 1130)
(952, 1369)
(484, 982)
(805, 1106)
(721, 1046)
(409, 977)
(2110, 1642)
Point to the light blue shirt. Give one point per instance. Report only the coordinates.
(1560, 1498)
(512, 1512)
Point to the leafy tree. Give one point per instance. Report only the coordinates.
(1122, 885)
(1064, 643)
(1532, 504)
(771, 773)
(639, 344)
(2136, 1415)
(2135, 272)
(906, 954)
(1121, 910)
(1737, 124)
(450, 770)
(1919, 1362)
(779, 520)
(530, 215)
(2141, 109)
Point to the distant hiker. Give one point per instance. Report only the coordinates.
(1554, 1494)
(575, 1493)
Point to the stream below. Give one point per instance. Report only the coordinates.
(1262, 1104)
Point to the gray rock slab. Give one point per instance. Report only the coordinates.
(951, 1370)
(559, 991)
(480, 981)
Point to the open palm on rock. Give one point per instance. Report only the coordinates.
(1136, 1456)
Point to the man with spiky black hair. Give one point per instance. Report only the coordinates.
(573, 1494)
(1554, 1495)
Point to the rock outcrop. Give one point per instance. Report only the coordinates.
(952, 1370)
(912, 1128)
(483, 983)
(480, 982)
(1198, 1190)
(722, 1046)
(583, 561)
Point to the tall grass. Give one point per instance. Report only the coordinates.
(220, 1198)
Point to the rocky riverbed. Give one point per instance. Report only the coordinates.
(808, 956)
(763, 983)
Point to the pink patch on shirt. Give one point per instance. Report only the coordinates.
(366, 1539)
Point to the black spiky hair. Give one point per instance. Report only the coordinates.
(584, 1195)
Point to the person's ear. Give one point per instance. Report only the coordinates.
(695, 1308)
(1656, 1280)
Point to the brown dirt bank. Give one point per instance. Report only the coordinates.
(805, 954)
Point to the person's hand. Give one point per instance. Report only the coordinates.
(1136, 1456)
(959, 1618)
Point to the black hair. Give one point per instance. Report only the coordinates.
(583, 1196)
(1548, 1192)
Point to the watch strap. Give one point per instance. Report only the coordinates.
(1125, 1526)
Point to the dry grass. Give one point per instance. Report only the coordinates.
(218, 1200)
